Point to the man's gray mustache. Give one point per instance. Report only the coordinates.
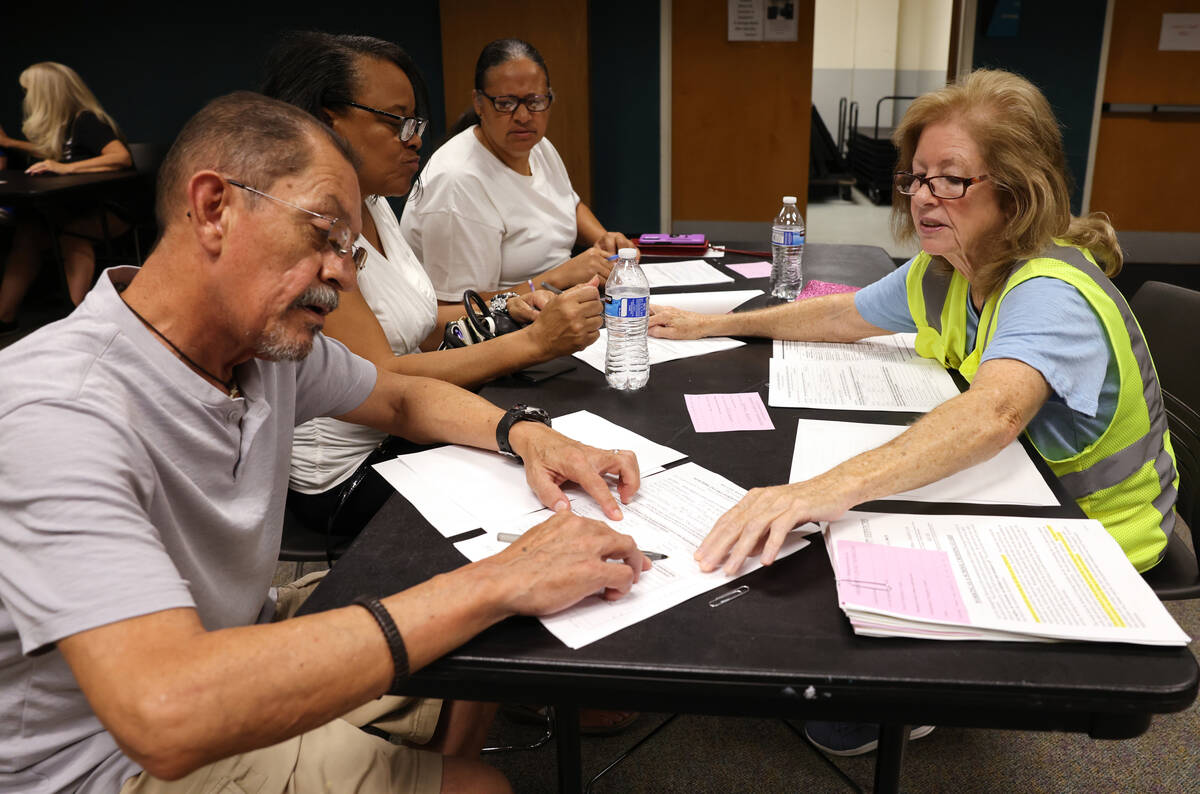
(320, 295)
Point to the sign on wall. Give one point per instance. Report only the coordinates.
(762, 20)
(1180, 32)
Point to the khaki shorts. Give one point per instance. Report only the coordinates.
(336, 757)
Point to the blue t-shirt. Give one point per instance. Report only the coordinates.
(1045, 323)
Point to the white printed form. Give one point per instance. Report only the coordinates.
(671, 514)
(1009, 478)
(881, 373)
(682, 274)
(459, 488)
(660, 350)
(711, 302)
(1016, 578)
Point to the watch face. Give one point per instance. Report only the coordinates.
(531, 412)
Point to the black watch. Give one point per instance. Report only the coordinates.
(518, 413)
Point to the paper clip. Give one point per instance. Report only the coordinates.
(725, 598)
(866, 584)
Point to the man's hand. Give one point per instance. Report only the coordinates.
(571, 321)
(667, 322)
(611, 242)
(564, 559)
(49, 167)
(759, 523)
(552, 459)
(579, 269)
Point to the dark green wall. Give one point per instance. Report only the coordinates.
(1057, 46)
(152, 71)
(624, 69)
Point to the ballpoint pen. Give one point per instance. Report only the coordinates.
(509, 537)
(552, 288)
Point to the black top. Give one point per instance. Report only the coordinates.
(87, 137)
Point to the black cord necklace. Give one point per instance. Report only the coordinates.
(230, 385)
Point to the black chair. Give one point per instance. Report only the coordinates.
(300, 544)
(136, 204)
(1168, 317)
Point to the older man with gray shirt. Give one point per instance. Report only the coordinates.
(144, 447)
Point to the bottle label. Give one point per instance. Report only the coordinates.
(626, 307)
(786, 237)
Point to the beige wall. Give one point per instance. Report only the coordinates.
(740, 116)
(1147, 167)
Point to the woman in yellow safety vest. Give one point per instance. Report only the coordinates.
(1011, 291)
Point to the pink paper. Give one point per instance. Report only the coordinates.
(752, 269)
(815, 289)
(914, 582)
(714, 413)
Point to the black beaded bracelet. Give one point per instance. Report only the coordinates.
(395, 642)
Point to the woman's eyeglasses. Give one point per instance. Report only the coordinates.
(406, 126)
(507, 103)
(943, 187)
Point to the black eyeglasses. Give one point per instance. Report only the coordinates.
(407, 127)
(507, 103)
(340, 233)
(943, 187)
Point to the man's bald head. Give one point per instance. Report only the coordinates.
(248, 136)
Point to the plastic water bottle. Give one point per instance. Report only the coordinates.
(626, 314)
(787, 250)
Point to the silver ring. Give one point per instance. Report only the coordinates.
(616, 452)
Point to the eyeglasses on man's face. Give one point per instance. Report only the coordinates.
(943, 187)
(405, 126)
(506, 103)
(340, 234)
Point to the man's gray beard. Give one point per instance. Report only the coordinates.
(274, 346)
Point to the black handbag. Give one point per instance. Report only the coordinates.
(481, 322)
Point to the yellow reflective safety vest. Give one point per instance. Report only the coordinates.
(1126, 479)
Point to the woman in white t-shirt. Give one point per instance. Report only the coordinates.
(370, 92)
(496, 210)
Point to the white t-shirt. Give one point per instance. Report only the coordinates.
(325, 451)
(477, 224)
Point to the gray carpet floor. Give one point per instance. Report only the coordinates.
(697, 754)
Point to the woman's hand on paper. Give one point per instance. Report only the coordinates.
(761, 521)
(571, 321)
(552, 459)
(564, 559)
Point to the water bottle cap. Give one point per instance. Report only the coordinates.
(789, 199)
(628, 253)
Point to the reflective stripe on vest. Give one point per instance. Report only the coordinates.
(1088, 475)
(1119, 466)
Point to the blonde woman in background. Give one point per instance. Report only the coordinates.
(67, 132)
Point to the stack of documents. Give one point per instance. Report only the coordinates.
(461, 488)
(671, 514)
(992, 578)
(880, 373)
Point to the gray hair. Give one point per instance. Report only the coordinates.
(252, 137)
